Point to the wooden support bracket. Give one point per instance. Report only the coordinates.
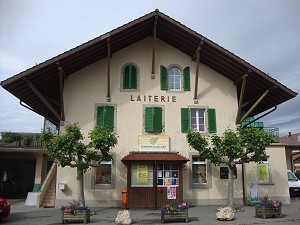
(108, 99)
(154, 48)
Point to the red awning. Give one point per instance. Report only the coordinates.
(154, 156)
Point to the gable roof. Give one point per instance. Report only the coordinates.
(46, 79)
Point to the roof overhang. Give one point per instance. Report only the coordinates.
(173, 157)
(45, 79)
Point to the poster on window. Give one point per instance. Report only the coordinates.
(171, 192)
(262, 172)
(254, 193)
(142, 174)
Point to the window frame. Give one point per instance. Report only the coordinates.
(170, 171)
(94, 185)
(192, 162)
(175, 67)
(149, 179)
(137, 89)
(205, 124)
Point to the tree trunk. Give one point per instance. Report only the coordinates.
(230, 186)
(80, 191)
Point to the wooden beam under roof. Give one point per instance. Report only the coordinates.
(241, 98)
(43, 99)
(154, 47)
(197, 72)
(108, 99)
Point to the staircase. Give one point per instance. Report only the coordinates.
(49, 199)
(46, 195)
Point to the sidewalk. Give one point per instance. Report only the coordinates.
(204, 215)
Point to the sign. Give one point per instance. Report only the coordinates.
(142, 174)
(154, 143)
(262, 172)
(254, 193)
(171, 192)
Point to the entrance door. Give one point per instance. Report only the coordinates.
(152, 185)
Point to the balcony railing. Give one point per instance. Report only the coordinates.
(20, 140)
(274, 131)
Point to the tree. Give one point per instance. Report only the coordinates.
(68, 150)
(233, 147)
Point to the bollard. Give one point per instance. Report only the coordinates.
(124, 199)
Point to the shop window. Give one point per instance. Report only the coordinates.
(167, 174)
(105, 116)
(200, 172)
(141, 175)
(153, 119)
(199, 119)
(104, 175)
(130, 78)
(173, 80)
(263, 172)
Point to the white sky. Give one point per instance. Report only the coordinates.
(264, 33)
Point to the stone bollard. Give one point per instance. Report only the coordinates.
(225, 214)
(123, 217)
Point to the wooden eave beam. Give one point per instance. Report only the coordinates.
(197, 72)
(256, 103)
(154, 47)
(108, 99)
(244, 78)
(61, 70)
(43, 99)
(61, 94)
(198, 48)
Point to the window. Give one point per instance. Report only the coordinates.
(105, 116)
(263, 172)
(200, 173)
(104, 175)
(199, 170)
(172, 79)
(141, 175)
(153, 119)
(167, 174)
(201, 120)
(130, 77)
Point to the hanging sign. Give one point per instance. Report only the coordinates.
(142, 174)
(254, 193)
(171, 192)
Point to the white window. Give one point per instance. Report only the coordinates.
(199, 170)
(263, 170)
(174, 78)
(198, 120)
(141, 175)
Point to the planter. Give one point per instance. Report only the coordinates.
(266, 212)
(83, 216)
(181, 215)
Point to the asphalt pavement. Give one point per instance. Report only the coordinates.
(204, 215)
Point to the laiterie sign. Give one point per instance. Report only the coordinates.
(154, 143)
(152, 98)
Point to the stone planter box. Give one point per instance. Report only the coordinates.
(266, 212)
(83, 216)
(181, 215)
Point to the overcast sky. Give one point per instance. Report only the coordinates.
(264, 33)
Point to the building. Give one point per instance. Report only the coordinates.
(292, 146)
(150, 80)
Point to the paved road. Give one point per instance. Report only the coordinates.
(204, 215)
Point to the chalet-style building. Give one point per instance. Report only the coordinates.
(150, 80)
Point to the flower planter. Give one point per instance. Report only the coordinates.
(181, 215)
(267, 212)
(83, 216)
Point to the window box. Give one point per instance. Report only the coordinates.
(264, 212)
(180, 213)
(82, 216)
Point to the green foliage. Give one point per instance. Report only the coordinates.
(103, 138)
(10, 137)
(233, 147)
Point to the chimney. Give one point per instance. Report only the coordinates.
(290, 134)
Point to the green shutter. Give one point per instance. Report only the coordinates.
(100, 116)
(133, 77)
(153, 119)
(126, 77)
(109, 118)
(186, 79)
(212, 123)
(185, 120)
(105, 116)
(163, 78)
(157, 119)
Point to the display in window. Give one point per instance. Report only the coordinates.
(103, 174)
